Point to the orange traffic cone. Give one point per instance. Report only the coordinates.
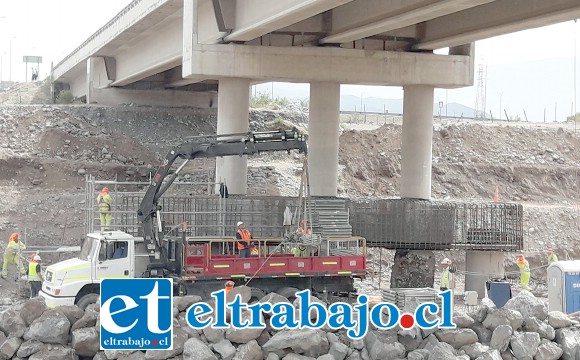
(496, 196)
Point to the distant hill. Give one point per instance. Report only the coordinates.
(373, 104)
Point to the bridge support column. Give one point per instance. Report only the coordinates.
(323, 133)
(417, 142)
(232, 117)
(90, 78)
(485, 263)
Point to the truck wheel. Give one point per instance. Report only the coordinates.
(87, 300)
(288, 292)
(257, 294)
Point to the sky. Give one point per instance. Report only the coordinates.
(530, 70)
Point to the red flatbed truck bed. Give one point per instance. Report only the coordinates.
(208, 263)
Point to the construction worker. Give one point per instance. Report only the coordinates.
(34, 276)
(552, 256)
(12, 255)
(243, 236)
(524, 271)
(105, 202)
(445, 276)
(300, 230)
(299, 251)
(229, 285)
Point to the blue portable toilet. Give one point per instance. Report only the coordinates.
(564, 286)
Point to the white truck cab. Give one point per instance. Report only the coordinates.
(112, 254)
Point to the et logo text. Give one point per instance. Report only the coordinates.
(136, 314)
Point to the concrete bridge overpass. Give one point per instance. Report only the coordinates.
(207, 53)
(179, 52)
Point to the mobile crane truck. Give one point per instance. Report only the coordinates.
(201, 265)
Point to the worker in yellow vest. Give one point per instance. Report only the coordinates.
(12, 255)
(552, 256)
(299, 251)
(444, 285)
(524, 272)
(34, 276)
(105, 202)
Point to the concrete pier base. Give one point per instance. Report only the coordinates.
(413, 269)
(485, 263)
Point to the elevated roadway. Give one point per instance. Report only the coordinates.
(188, 45)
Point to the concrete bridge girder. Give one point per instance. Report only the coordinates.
(501, 17)
(317, 64)
(363, 18)
(97, 89)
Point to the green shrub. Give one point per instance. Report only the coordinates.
(263, 101)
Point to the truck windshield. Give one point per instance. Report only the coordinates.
(87, 249)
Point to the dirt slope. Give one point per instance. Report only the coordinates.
(469, 161)
(46, 152)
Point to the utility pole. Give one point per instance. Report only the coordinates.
(500, 96)
(575, 78)
(446, 100)
(10, 61)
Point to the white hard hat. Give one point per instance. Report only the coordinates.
(36, 258)
(446, 261)
(239, 223)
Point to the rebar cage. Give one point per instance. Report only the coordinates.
(437, 225)
(211, 215)
(386, 223)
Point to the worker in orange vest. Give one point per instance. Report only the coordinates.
(300, 230)
(243, 236)
(229, 286)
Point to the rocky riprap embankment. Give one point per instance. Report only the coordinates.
(523, 329)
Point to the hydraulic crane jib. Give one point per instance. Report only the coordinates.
(212, 147)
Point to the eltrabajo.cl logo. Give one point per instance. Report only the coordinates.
(136, 314)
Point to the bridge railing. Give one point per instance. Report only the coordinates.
(110, 23)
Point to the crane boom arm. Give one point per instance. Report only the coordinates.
(221, 145)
